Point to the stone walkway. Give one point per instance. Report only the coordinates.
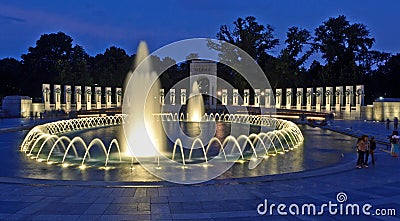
(236, 199)
(358, 128)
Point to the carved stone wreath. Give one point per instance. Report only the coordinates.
(68, 91)
(88, 91)
(119, 92)
(108, 92)
(78, 91)
(348, 92)
(58, 91)
(299, 93)
(359, 92)
(46, 90)
(278, 93)
(328, 93)
(288, 93)
(318, 93)
(338, 93)
(98, 92)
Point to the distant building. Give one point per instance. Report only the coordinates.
(17, 106)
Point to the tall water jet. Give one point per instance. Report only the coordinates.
(195, 107)
(143, 132)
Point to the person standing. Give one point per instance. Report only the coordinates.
(366, 153)
(361, 148)
(372, 147)
(395, 122)
(395, 145)
(387, 124)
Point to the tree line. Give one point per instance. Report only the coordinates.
(344, 48)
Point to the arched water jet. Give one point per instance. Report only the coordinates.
(179, 142)
(247, 140)
(221, 148)
(59, 140)
(114, 141)
(76, 139)
(236, 144)
(44, 143)
(198, 140)
(91, 144)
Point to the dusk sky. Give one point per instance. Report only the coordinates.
(97, 25)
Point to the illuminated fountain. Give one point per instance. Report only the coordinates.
(155, 140)
(141, 131)
(195, 107)
(49, 143)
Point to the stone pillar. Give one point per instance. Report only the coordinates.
(235, 97)
(162, 99)
(183, 96)
(319, 96)
(349, 98)
(309, 98)
(299, 98)
(78, 97)
(328, 98)
(257, 94)
(67, 98)
(224, 97)
(289, 97)
(278, 98)
(46, 96)
(359, 97)
(268, 97)
(108, 97)
(57, 96)
(172, 96)
(246, 96)
(98, 97)
(118, 96)
(88, 97)
(338, 98)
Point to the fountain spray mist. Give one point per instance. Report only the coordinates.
(143, 132)
(195, 108)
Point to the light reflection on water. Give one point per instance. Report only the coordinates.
(321, 148)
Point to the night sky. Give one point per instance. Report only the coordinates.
(97, 25)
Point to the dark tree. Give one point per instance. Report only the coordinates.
(110, 68)
(75, 69)
(386, 80)
(343, 46)
(10, 75)
(247, 34)
(291, 60)
(46, 61)
(250, 36)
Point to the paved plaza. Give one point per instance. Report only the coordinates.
(232, 199)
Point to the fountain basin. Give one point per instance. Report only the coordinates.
(308, 155)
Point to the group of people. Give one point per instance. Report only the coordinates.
(365, 148)
(395, 123)
(394, 143)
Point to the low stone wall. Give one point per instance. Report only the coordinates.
(382, 110)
